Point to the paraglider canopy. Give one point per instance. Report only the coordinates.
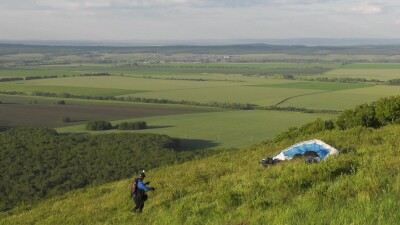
(315, 146)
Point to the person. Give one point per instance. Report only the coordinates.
(140, 196)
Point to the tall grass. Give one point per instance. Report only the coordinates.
(360, 186)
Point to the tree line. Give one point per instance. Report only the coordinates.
(335, 79)
(98, 125)
(8, 79)
(37, 162)
(394, 82)
(243, 106)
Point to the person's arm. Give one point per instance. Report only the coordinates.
(144, 187)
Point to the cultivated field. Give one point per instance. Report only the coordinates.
(343, 99)
(378, 74)
(189, 78)
(88, 91)
(227, 129)
(42, 112)
(259, 91)
(372, 66)
(29, 72)
(326, 86)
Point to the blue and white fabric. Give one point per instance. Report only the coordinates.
(321, 148)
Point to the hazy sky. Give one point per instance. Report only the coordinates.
(197, 19)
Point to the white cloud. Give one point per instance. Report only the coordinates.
(196, 19)
(87, 4)
(109, 4)
(367, 9)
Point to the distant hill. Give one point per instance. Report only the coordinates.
(215, 42)
(292, 49)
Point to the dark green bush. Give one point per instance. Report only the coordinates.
(132, 125)
(388, 110)
(395, 82)
(376, 114)
(65, 119)
(60, 102)
(98, 125)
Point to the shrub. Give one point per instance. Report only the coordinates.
(132, 125)
(395, 82)
(65, 119)
(98, 125)
(379, 113)
(363, 115)
(388, 110)
(60, 102)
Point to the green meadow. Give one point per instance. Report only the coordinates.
(226, 129)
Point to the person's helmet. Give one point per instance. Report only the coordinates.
(142, 174)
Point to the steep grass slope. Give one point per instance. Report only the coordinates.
(360, 186)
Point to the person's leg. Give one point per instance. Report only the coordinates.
(137, 204)
(141, 205)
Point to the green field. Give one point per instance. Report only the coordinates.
(129, 83)
(36, 72)
(198, 91)
(101, 92)
(215, 88)
(327, 86)
(254, 90)
(204, 68)
(227, 129)
(344, 99)
(378, 74)
(35, 111)
(233, 94)
(144, 75)
(372, 66)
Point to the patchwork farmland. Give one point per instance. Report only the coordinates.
(113, 86)
(208, 114)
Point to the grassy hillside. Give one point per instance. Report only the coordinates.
(360, 186)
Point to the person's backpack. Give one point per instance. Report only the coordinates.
(134, 188)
